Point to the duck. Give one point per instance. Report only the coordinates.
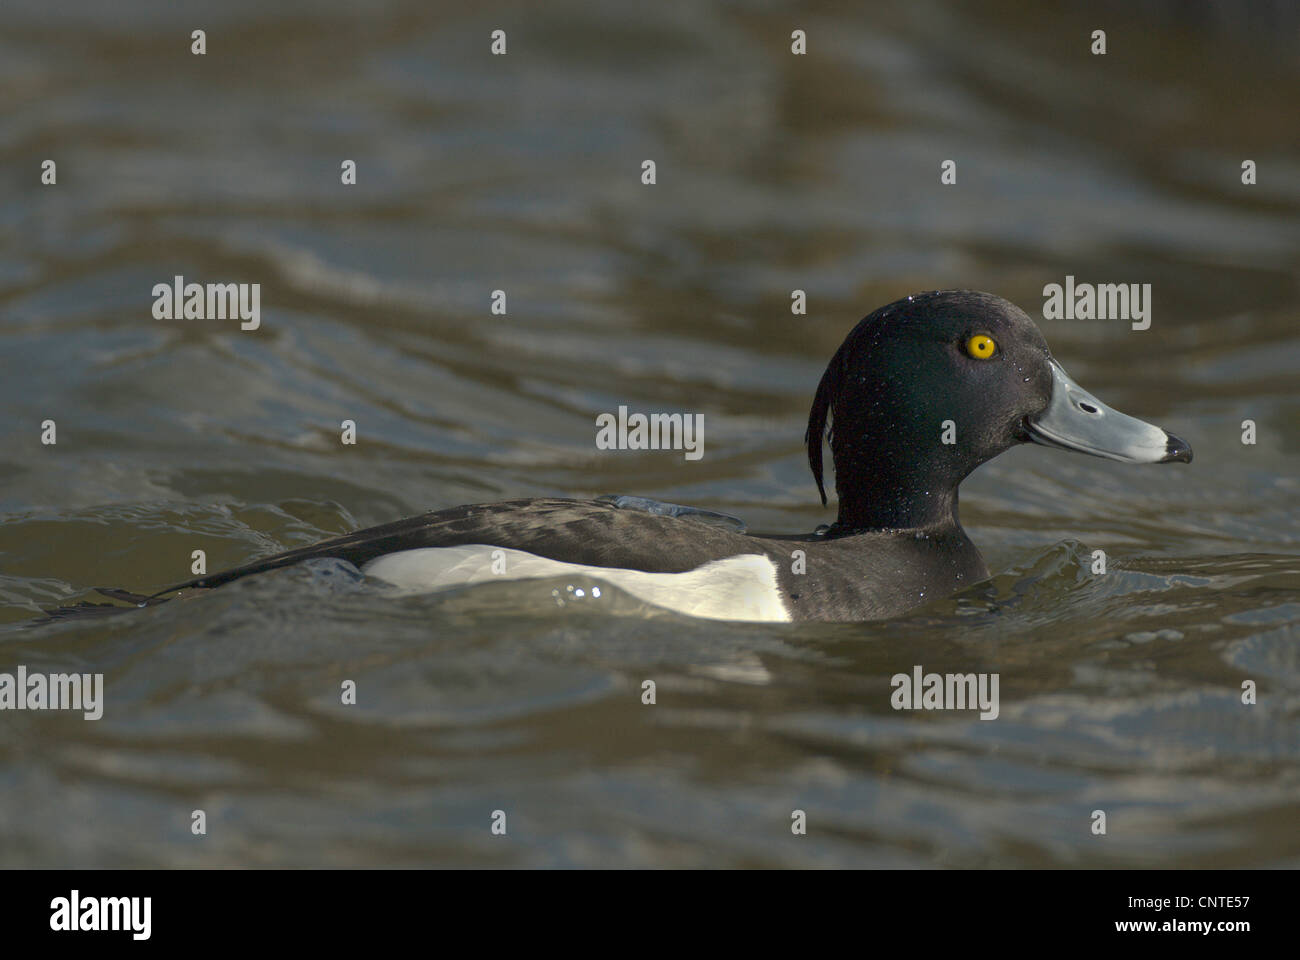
(922, 392)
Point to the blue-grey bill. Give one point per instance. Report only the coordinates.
(1076, 420)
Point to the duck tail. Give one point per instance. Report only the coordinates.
(86, 608)
(136, 599)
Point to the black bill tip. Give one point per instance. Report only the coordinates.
(1177, 451)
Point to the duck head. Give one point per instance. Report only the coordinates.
(927, 388)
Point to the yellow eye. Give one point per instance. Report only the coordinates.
(980, 347)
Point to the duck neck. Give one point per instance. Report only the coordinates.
(897, 495)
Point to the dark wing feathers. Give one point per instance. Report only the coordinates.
(572, 531)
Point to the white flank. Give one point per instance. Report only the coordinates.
(737, 588)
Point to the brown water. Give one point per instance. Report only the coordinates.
(1118, 692)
